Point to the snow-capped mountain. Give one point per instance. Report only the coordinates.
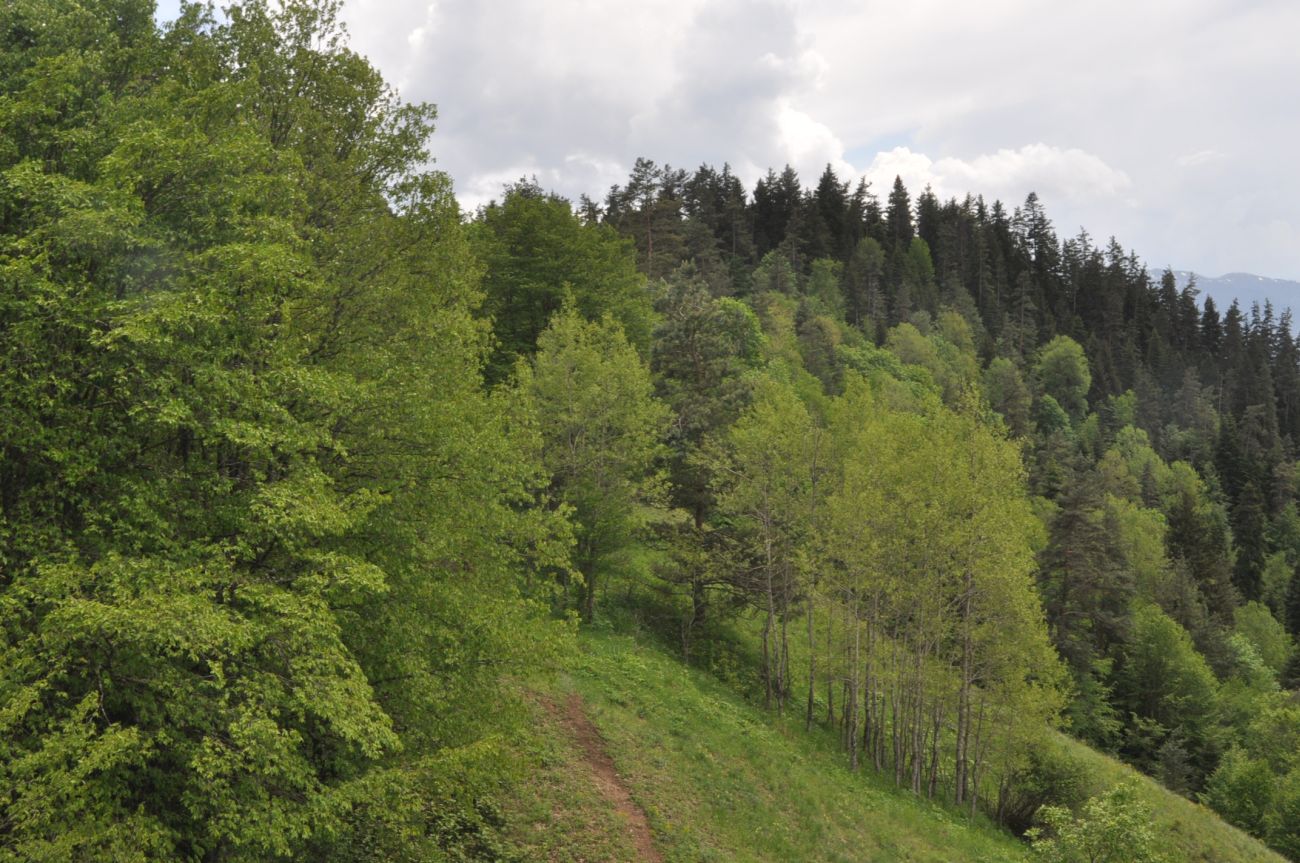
(1246, 288)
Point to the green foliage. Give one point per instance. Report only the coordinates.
(1241, 790)
(1255, 783)
(863, 287)
(536, 253)
(1048, 776)
(1112, 828)
(1062, 373)
(901, 386)
(1282, 823)
(1091, 712)
(824, 287)
(765, 470)
(1085, 583)
(899, 554)
(1164, 680)
(917, 289)
(601, 427)
(1049, 417)
(819, 341)
(262, 531)
(951, 364)
(1258, 625)
(703, 350)
(1007, 394)
(1275, 581)
(775, 274)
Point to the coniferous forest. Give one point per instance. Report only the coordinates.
(306, 473)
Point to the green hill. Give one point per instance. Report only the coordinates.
(1192, 832)
(707, 776)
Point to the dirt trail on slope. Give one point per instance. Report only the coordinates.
(574, 718)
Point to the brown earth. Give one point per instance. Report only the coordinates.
(573, 717)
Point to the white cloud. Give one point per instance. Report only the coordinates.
(1056, 174)
(809, 145)
(1200, 157)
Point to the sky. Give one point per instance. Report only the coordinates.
(1170, 124)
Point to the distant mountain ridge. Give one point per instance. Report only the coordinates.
(1246, 288)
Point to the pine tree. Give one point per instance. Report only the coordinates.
(864, 289)
(1085, 586)
(1211, 328)
(535, 252)
(776, 201)
(831, 202)
(898, 218)
(1248, 523)
(1293, 607)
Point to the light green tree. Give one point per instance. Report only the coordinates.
(1112, 828)
(264, 536)
(602, 430)
(1062, 373)
(1241, 790)
(765, 469)
(1258, 625)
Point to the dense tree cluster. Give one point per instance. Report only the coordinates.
(299, 465)
(264, 535)
(1158, 436)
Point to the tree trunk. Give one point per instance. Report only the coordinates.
(963, 695)
(812, 667)
(853, 689)
(830, 677)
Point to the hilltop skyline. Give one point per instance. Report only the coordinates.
(1158, 124)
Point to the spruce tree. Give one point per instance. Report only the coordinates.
(898, 217)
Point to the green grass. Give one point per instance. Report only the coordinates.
(556, 814)
(1191, 833)
(722, 780)
(719, 779)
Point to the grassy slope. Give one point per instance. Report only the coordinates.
(722, 780)
(1192, 832)
(719, 779)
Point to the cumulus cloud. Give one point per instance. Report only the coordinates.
(1059, 174)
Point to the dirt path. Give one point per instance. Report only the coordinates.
(574, 718)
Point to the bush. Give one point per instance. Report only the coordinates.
(1112, 828)
(1050, 778)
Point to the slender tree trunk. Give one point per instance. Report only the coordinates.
(830, 676)
(918, 726)
(963, 694)
(767, 661)
(853, 688)
(936, 727)
(812, 666)
(771, 617)
(589, 597)
(784, 669)
(896, 715)
(973, 792)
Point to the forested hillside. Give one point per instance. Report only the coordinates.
(307, 477)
